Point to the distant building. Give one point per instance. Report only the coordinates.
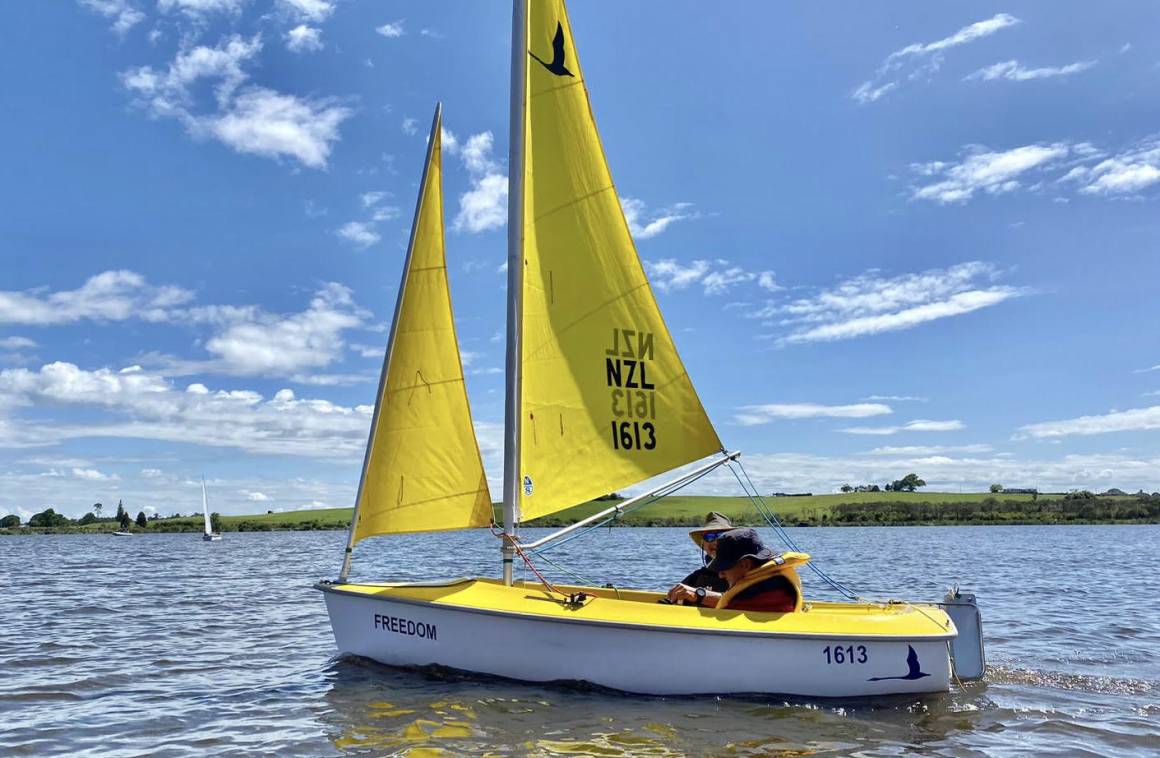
(1020, 491)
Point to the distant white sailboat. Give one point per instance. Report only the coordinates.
(209, 535)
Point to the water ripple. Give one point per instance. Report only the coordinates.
(167, 645)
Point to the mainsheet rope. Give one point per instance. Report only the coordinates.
(771, 518)
(747, 486)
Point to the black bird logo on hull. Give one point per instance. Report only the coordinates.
(557, 64)
(915, 671)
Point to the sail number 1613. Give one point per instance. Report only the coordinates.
(633, 435)
(847, 654)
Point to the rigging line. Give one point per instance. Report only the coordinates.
(566, 570)
(648, 501)
(771, 518)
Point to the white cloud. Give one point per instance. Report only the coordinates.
(93, 475)
(198, 9)
(371, 199)
(410, 126)
(1093, 170)
(385, 213)
(15, 343)
(926, 425)
(1127, 172)
(955, 305)
(768, 282)
(365, 233)
(358, 232)
(123, 13)
(151, 473)
(391, 30)
(918, 425)
(256, 497)
(868, 93)
(303, 39)
(984, 171)
(924, 58)
(1137, 419)
(1016, 72)
(669, 274)
(268, 123)
(142, 405)
(871, 304)
(715, 277)
(108, 296)
(753, 415)
(484, 205)
(718, 282)
(644, 225)
(265, 344)
(309, 10)
(924, 450)
(448, 142)
(897, 398)
(249, 119)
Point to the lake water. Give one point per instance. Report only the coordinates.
(166, 645)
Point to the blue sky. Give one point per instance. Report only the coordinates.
(887, 239)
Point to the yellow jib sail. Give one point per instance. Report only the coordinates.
(605, 400)
(423, 469)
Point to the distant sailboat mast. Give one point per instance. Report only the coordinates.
(205, 508)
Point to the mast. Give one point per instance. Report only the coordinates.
(431, 142)
(515, 284)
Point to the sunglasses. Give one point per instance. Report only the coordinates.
(710, 536)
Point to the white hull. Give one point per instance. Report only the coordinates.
(211, 537)
(626, 657)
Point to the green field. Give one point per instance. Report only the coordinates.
(682, 510)
(852, 509)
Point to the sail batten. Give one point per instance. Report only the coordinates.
(604, 399)
(423, 470)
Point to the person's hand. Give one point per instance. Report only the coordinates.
(682, 593)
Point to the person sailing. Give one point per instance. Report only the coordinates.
(758, 578)
(702, 578)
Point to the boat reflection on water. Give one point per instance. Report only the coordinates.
(432, 710)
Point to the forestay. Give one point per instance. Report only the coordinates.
(605, 400)
(423, 470)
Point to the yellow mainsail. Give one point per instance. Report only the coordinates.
(605, 401)
(423, 470)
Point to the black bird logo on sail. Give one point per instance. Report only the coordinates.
(557, 64)
(915, 670)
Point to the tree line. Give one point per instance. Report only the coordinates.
(50, 519)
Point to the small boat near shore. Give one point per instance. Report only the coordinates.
(209, 535)
(122, 534)
(598, 400)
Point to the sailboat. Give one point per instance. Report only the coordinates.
(209, 535)
(597, 399)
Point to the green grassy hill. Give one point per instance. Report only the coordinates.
(858, 508)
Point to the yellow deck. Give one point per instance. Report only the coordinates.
(638, 608)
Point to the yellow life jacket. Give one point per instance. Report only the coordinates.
(785, 565)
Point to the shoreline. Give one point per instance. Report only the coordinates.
(26, 531)
(895, 509)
